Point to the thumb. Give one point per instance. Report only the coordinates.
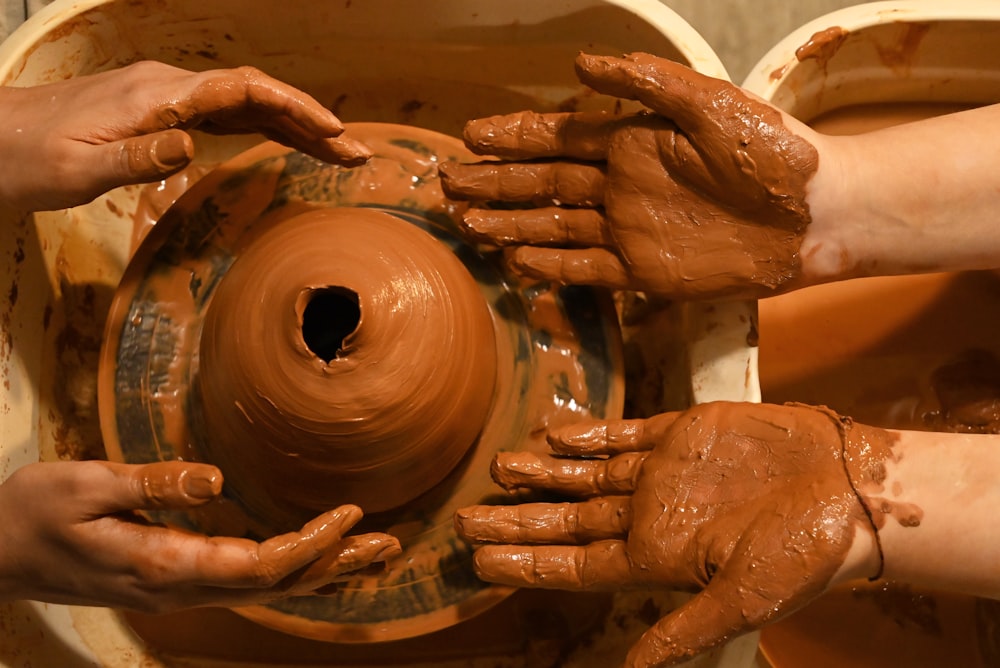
(706, 620)
(159, 485)
(147, 158)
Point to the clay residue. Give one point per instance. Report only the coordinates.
(899, 55)
(779, 72)
(79, 309)
(155, 198)
(380, 422)
(557, 351)
(706, 200)
(908, 515)
(867, 454)
(662, 517)
(968, 389)
(822, 46)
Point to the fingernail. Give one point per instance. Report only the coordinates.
(527, 463)
(388, 552)
(444, 168)
(483, 132)
(347, 516)
(172, 150)
(348, 152)
(460, 520)
(201, 485)
(480, 228)
(527, 263)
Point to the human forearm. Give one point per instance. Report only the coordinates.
(913, 198)
(935, 510)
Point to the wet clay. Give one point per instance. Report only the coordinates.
(711, 154)
(797, 493)
(968, 390)
(557, 356)
(521, 631)
(822, 46)
(900, 54)
(155, 198)
(908, 352)
(381, 402)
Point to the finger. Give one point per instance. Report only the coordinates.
(158, 485)
(271, 95)
(577, 477)
(350, 555)
(529, 135)
(592, 266)
(704, 621)
(245, 96)
(549, 226)
(546, 523)
(245, 564)
(141, 159)
(610, 437)
(339, 151)
(245, 99)
(336, 150)
(560, 182)
(599, 566)
(665, 86)
(293, 550)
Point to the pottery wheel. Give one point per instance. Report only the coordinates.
(558, 350)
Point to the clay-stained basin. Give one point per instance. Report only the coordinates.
(885, 350)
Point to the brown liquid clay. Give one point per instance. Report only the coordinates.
(347, 356)
(909, 352)
(822, 46)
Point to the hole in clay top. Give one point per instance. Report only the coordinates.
(331, 315)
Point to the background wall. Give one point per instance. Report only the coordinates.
(742, 31)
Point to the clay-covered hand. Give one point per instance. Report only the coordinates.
(704, 197)
(747, 504)
(65, 143)
(70, 536)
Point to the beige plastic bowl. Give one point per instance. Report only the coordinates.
(933, 56)
(433, 64)
(917, 51)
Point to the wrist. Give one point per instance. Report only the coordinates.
(861, 452)
(829, 250)
(940, 494)
(864, 559)
(866, 450)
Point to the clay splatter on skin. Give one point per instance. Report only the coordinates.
(652, 512)
(623, 201)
